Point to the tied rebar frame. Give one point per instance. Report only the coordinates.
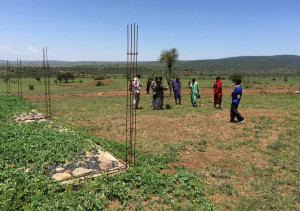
(8, 77)
(132, 52)
(47, 83)
(19, 72)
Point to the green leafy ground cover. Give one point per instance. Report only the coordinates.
(27, 150)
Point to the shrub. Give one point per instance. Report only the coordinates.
(99, 83)
(38, 78)
(31, 87)
(168, 106)
(234, 76)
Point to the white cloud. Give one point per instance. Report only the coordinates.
(32, 49)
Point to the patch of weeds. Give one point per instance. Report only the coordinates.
(241, 135)
(224, 146)
(277, 145)
(200, 145)
(184, 143)
(248, 129)
(267, 171)
(258, 134)
(218, 172)
(292, 113)
(226, 188)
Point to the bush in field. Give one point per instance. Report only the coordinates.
(99, 83)
(168, 106)
(65, 76)
(285, 79)
(31, 87)
(100, 77)
(38, 78)
(234, 76)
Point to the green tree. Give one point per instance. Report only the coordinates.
(38, 78)
(169, 57)
(65, 76)
(234, 76)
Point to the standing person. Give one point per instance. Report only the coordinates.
(153, 85)
(148, 86)
(158, 96)
(217, 92)
(236, 97)
(161, 83)
(136, 91)
(176, 84)
(195, 92)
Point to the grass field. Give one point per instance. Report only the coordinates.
(189, 158)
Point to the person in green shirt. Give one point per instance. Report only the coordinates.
(195, 92)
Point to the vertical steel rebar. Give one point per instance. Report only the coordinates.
(130, 109)
(18, 74)
(8, 77)
(127, 92)
(21, 92)
(48, 85)
(136, 54)
(45, 83)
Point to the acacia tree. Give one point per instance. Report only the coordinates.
(169, 57)
(65, 76)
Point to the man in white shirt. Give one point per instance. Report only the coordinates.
(136, 91)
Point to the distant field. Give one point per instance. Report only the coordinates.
(244, 166)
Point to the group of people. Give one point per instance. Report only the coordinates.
(158, 94)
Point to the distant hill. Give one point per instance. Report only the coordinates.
(248, 65)
(260, 65)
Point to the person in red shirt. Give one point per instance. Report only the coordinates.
(217, 92)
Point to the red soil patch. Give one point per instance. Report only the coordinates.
(105, 81)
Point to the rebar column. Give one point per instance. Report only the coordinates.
(8, 76)
(18, 75)
(132, 52)
(20, 69)
(47, 83)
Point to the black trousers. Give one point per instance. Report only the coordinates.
(235, 113)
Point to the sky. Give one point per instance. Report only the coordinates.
(96, 30)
